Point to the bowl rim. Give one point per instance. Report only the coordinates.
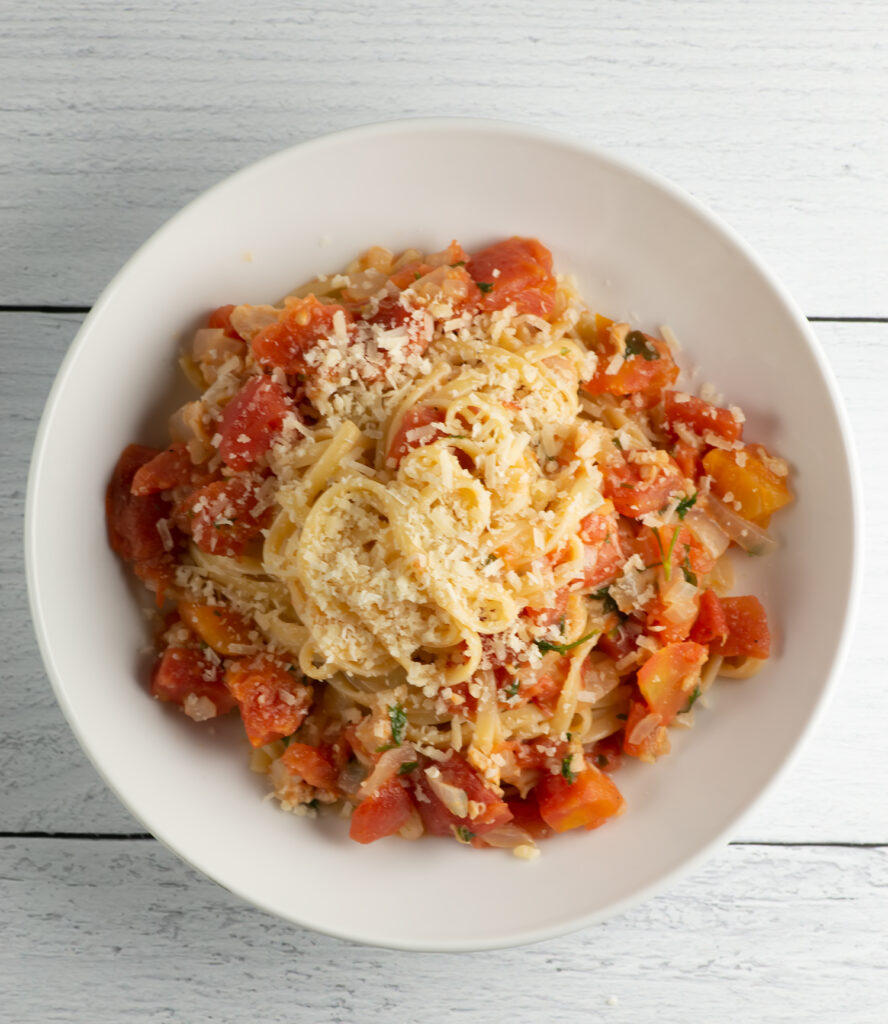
(534, 134)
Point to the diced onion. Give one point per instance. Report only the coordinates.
(745, 534)
(679, 600)
(454, 799)
(385, 768)
(643, 729)
(351, 777)
(507, 837)
(709, 533)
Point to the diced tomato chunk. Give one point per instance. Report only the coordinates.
(712, 623)
(748, 632)
(667, 679)
(647, 364)
(635, 495)
(312, 764)
(383, 814)
(587, 802)
(221, 517)
(526, 815)
(221, 319)
(182, 672)
(674, 545)
(702, 417)
(251, 421)
(491, 809)
(258, 685)
(416, 416)
(646, 741)
(168, 469)
(285, 342)
(549, 616)
(517, 270)
(545, 688)
(607, 754)
(133, 520)
(670, 624)
(603, 552)
(688, 459)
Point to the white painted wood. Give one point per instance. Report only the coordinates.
(832, 794)
(110, 931)
(114, 114)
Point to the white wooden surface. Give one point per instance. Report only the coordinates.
(111, 116)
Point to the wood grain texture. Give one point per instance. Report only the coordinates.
(124, 931)
(115, 114)
(49, 786)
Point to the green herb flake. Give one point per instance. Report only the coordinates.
(601, 761)
(567, 771)
(407, 767)
(617, 444)
(610, 605)
(685, 505)
(628, 487)
(463, 834)
(485, 286)
(512, 689)
(459, 263)
(416, 275)
(398, 720)
(623, 718)
(691, 701)
(547, 645)
(667, 558)
(689, 575)
(638, 345)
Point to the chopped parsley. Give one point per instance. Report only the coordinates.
(623, 718)
(691, 701)
(567, 771)
(512, 689)
(689, 575)
(485, 286)
(617, 444)
(601, 761)
(407, 767)
(459, 263)
(398, 720)
(685, 505)
(548, 645)
(638, 345)
(667, 554)
(416, 275)
(463, 834)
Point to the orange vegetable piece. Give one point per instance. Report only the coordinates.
(587, 802)
(219, 627)
(668, 678)
(759, 491)
(312, 764)
(647, 364)
(712, 623)
(221, 319)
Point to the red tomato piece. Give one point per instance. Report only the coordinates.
(604, 555)
(456, 771)
(688, 459)
(748, 632)
(133, 521)
(285, 342)
(664, 623)
(700, 416)
(251, 421)
(221, 518)
(383, 814)
(648, 366)
(257, 684)
(667, 679)
(621, 640)
(607, 754)
(675, 546)
(168, 469)
(517, 270)
(312, 764)
(634, 495)
(587, 802)
(221, 319)
(181, 672)
(526, 815)
(653, 741)
(549, 616)
(711, 623)
(417, 416)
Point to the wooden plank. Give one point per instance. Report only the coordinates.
(761, 934)
(115, 115)
(49, 785)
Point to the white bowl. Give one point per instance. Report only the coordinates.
(639, 248)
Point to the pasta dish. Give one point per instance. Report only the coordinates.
(451, 544)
